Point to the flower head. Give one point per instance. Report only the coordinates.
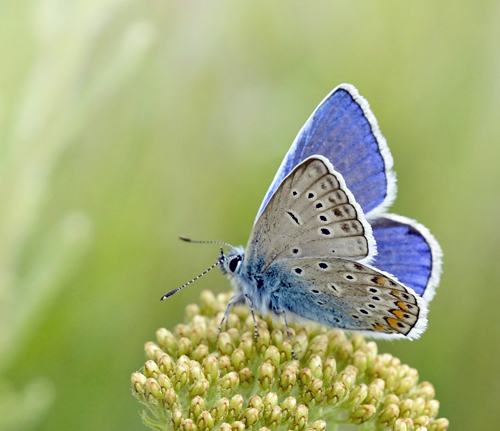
(197, 380)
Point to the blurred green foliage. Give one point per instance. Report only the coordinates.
(126, 123)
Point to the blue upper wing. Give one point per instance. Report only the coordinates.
(407, 250)
(344, 130)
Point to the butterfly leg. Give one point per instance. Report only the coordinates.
(288, 334)
(250, 305)
(234, 300)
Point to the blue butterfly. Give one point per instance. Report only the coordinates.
(322, 247)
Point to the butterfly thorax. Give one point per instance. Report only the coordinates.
(247, 280)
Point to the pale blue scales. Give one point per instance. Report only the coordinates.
(323, 248)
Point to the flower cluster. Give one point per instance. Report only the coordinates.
(195, 380)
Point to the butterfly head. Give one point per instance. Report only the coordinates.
(231, 263)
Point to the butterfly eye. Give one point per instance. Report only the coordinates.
(233, 264)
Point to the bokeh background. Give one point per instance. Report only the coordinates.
(126, 123)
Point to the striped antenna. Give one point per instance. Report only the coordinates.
(189, 282)
(205, 242)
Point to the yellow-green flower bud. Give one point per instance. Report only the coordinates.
(371, 351)
(273, 417)
(238, 359)
(419, 406)
(246, 376)
(265, 376)
(426, 391)
(345, 350)
(347, 377)
(188, 425)
(167, 341)
(256, 403)
(404, 385)
(248, 347)
(319, 425)
(431, 408)
(286, 351)
(210, 368)
(406, 408)
(225, 427)
(153, 391)
(329, 370)
(166, 365)
(272, 356)
(356, 396)
(185, 346)
(335, 393)
(388, 415)
(213, 333)
(225, 344)
(138, 383)
(235, 407)
(200, 388)
(164, 382)
(170, 399)
(315, 364)
(263, 340)
(153, 352)
(441, 424)
(249, 417)
(192, 311)
(301, 343)
(306, 377)
(277, 338)
(151, 370)
(205, 421)
(390, 399)
(229, 382)
(181, 376)
(405, 424)
(220, 409)
(269, 401)
(196, 407)
(315, 391)
(234, 334)
(182, 331)
(177, 418)
(362, 414)
(200, 353)
(288, 407)
(358, 359)
(208, 304)
(238, 426)
(298, 421)
(375, 393)
(287, 379)
(391, 377)
(224, 365)
(318, 345)
(358, 341)
(422, 421)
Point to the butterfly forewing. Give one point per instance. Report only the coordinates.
(348, 295)
(312, 213)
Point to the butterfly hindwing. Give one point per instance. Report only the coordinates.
(349, 295)
(344, 130)
(311, 214)
(407, 250)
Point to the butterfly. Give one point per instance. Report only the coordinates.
(323, 248)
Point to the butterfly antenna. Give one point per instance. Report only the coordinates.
(205, 242)
(189, 282)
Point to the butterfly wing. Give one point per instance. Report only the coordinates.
(311, 214)
(349, 295)
(408, 250)
(344, 130)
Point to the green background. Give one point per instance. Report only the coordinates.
(124, 124)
